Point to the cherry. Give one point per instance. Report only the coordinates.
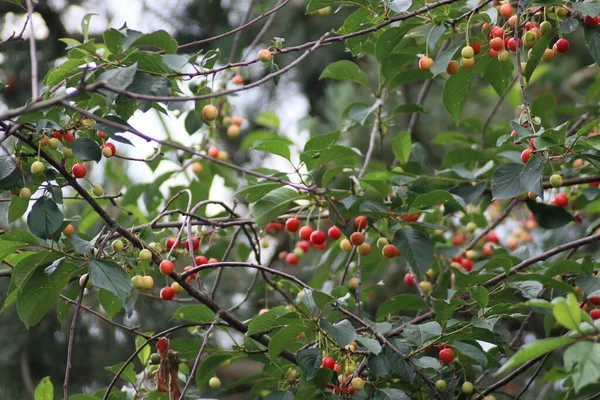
(426, 287)
(458, 239)
(590, 21)
(467, 63)
(594, 300)
(69, 136)
(108, 150)
(166, 267)
(305, 232)
(303, 245)
(512, 21)
(237, 120)
(177, 287)
(546, 26)
(476, 47)
(83, 278)
(273, 227)
(118, 245)
(97, 190)
(195, 243)
(167, 293)
(561, 200)
(364, 249)
(488, 250)
(526, 155)
(497, 44)
(447, 355)
(441, 385)
(25, 193)
(345, 245)
(334, 233)
(548, 55)
(101, 134)
(358, 383)
(390, 251)
(238, 80)
(172, 243)
(497, 32)
(201, 260)
(215, 382)
(79, 171)
(197, 168)
(506, 10)
(556, 180)
(137, 282)
(357, 238)
(503, 56)
(292, 259)
(233, 131)
(213, 152)
(425, 63)
(265, 55)
(595, 313)
(562, 45)
(467, 52)
(292, 224)
(37, 167)
(317, 238)
(409, 279)
(328, 362)
(145, 255)
(147, 282)
(210, 112)
(512, 44)
(381, 242)
(467, 387)
(360, 222)
(57, 135)
(467, 264)
(353, 283)
(453, 67)
(493, 53)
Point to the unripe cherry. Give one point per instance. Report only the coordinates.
(82, 279)
(69, 230)
(467, 52)
(237, 120)
(381, 242)
(37, 167)
(53, 143)
(118, 245)
(353, 283)
(213, 152)
(556, 180)
(148, 282)
(364, 249)
(503, 57)
(467, 63)
(210, 112)
(137, 282)
(25, 193)
(358, 383)
(546, 26)
(97, 190)
(265, 55)
(233, 131)
(197, 168)
(345, 245)
(548, 55)
(176, 287)
(506, 10)
(145, 255)
(425, 287)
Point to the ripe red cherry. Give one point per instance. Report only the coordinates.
(172, 243)
(562, 45)
(595, 300)
(69, 136)
(195, 243)
(526, 155)
(273, 227)
(318, 238)
(532, 143)
(476, 47)
(357, 238)
(458, 239)
(492, 237)
(590, 21)
(57, 135)
(212, 260)
(497, 32)
(303, 245)
(390, 251)
(467, 264)
(334, 233)
(328, 362)
(497, 44)
(167, 293)
(447, 355)
(321, 246)
(292, 259)
(506, 10)
(512, 44)
(292, 224)
(360, 222)
(595, 313)
(409, 279)
(101, 134)
(213, 152)
(201, 260)
(488, 250)
(79, 171)
(561, 200)
(305, 232)
(166, 267)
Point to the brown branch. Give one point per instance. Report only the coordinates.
(72, 338)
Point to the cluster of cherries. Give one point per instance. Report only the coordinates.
(349, 382)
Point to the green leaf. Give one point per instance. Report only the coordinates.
(86, 149)
(421, 333)
(480, 295)
(346, 71)
(583, 358)
(40, 292)
(309, 361)
(407, 108)
(436, 197)
(537, 51)
(416, 248)
(16, 2)
(63, 71)
(549, 216)
(401, 302)
(499, 75)
(531, 177)
(591, 8)
(272, 205)
(194, 313)
(532, 350)
(456, 91)
(371, 344)
(342, 332)
(441, 60)
(388, 40)
(564, 313)
(267, 320)
(110, 276)
(151, 86)
(529, 289)
(318, 4)
(589, 284)
(471, 351)
(160, 39)
(44, 390)
(401, 146)
(277, 147)
(390, 394)
(398, 6)
(109, 302)
(128, 373)
(321, 142)
(506, 182)
(407, 76)
(45, 218)
(254, 193)
(282, 339)
(119, 78)
(592, 41)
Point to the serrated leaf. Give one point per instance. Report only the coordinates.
(309, 361)
(272, 205)
(282, 339)
(342, 332)
(45, 218)
(194, 313)
(110, 276)
(159, 39)
(549, 216)
(277, 147)
(401, 302)
(86, 149)
(119, 78)
(421, 333)
(371, 344)
(583, 358)
(416, 248)
(592, 41)
(436, 197)
(18, 206)
(401, 147)
(532, 350)
(346, 71)
(456, 91)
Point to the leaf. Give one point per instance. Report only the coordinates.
(421, 333)
(128, 373)
(16, 2)
(110, 303)
(160, 39)
(401, 146)
(277, 147)
(416, 248)
(456, 91)
(549, 216)
(398, 6)
(267, 320)
(40, 292)
(407, 108)
(472, 352)
(401, 302)
(321, 142)
(371, 344)
(537, 51)
(119, 78)
(388, 40)
(531, 176)
(18, 207)
(480, 295)
(44, 390)
(407, 76)
(318, 4)
(272, 205)
(309, 361)
(194, 313)
(110, 276)
(441, 60)
(342, 332)
(566, 311)
(529, 289)
(346, 71)
(532, 350)
(282, 339)
(63, 71)
(390, 394)
(583, 358)
(499, 75)
(86, 149)
(589, 284)
(591, 8)
(436, 197)
(506, 182)
(151, 86)
(45, 218)
(592, 41)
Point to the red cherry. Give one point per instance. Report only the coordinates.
(360, 222)
(195, 243)
(162, 345)
(292, 259)
(467, 264)
(447, 355)
(79, 171)
(527, 26)
(458, 239)
(526, 155)
(328, 362)
(318, 238)
(101, 134)
(594, 184)
(167, 293)
(292, 224)
(497, 32)
(282, 255)
(476, 47)
(532, 143)
(506, 10)
(201, 260)
(497, 44)
(595, 313)
(166, 267)
(111, 147)
(590, 21)
(493, 53)
(390, 251)
(212, 260)
(562, 45)
(488, 250)
(273, 227)
(305, 232)
(191, 276)
(492, 237)
(69, 136)
(409, 279)
(303, 245)
(511, 44)
(594, 300)
(57, 135)
(321, 246)
(357, 238)
(334, 233)
(213, 152)
(172, 243)
(561, 200)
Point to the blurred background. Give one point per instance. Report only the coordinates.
(300, 106)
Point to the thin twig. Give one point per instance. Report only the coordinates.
(493, 113)
(32, 52)
(72, 338)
